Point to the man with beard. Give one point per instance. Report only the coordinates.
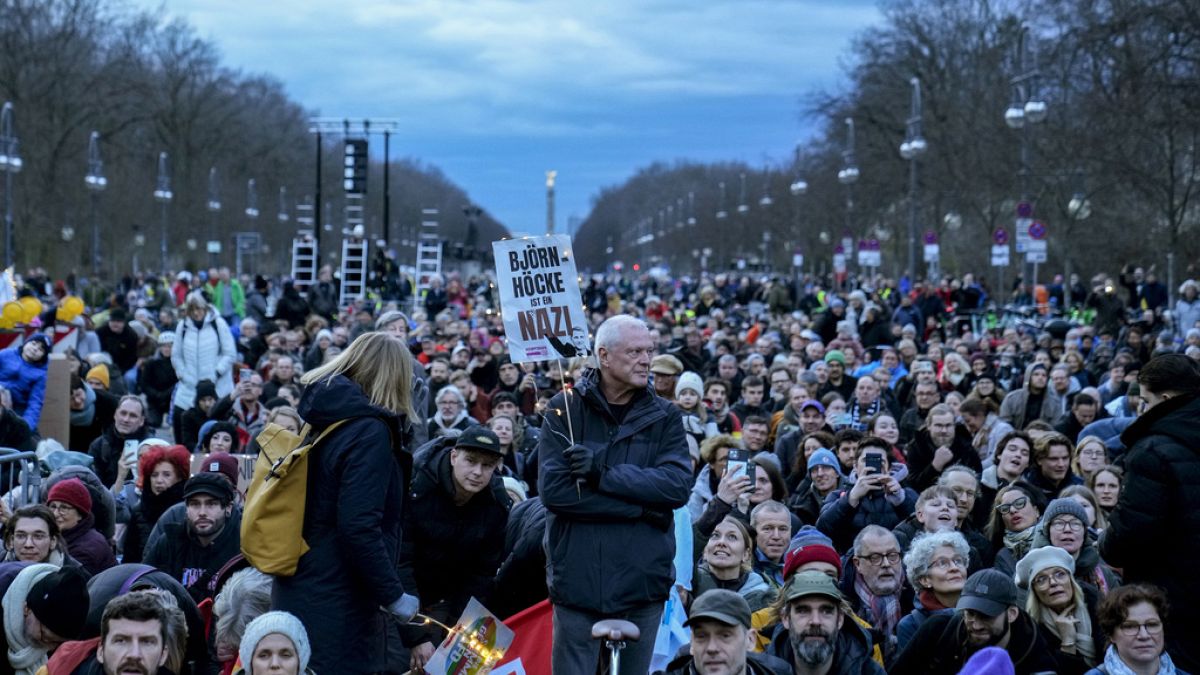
(940, 444)
(195, 550)
(820, 637)
(875, 586)
(135, 637)
(838, 380)
(987, 616)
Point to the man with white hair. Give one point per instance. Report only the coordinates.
(613, 465)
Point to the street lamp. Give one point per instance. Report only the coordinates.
(743, 207)
(912, 149)
(848, 176)
(251, 200)
(10, 163)
(691, 219)
(214, 207)
(722, 214)
(163, 195)
(283, 207)
(1026, 108)
(766, 200)
(95, 183)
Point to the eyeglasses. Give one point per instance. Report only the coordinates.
(1014, 505)
(35, 537)
(1059, 577)
(876, 559)
(1065, 524)
(1131, 629)
(947, 563)
(59, 507)
(1095, 452)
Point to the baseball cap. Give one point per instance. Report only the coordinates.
(988, 592)
(211, 484)
(723, 605)
(811, 582)
(479, 437)
(812, 403)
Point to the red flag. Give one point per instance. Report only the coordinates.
(529, 653)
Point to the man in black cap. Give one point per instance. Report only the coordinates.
(817, 634)
(721, 640)
(51, 606)
(988, 616)
(194, 551)
(119, 340)
(454, 527)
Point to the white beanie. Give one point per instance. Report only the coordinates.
(274, 622)
(689, 380)
(1040, 559)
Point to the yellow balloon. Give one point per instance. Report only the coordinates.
(31, 307)
(13, 312)
(73, 305)
(7, 323)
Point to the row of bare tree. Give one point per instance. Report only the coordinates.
(148, 85)
(1121, 80)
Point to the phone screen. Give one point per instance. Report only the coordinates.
(874, 462)
(245, 375)
(739, 462)
(129, 454)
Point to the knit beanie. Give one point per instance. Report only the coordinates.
(60, 601)
(72, 491)
(222, 463)
(835, 355)
(1040, 559)
(989, 661)
(100, 373)
(267, 624)
(205, 388)
(689, 380)
(824, 457)
(1060, 507)
(807, 535)
(800, 556)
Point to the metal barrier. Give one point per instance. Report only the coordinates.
(20, 469)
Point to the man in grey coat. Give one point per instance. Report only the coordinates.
(610, 480)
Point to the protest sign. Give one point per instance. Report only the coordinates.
(475, 645)
(539, 298)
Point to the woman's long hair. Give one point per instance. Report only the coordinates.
(380, 364)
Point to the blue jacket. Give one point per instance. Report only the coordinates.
(26, 381)
(601, 555)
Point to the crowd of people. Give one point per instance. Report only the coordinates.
(758, 477)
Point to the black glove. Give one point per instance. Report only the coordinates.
(660, 519)
(582, 461)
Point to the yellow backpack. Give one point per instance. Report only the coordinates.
(273, 518)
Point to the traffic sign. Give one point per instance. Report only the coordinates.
(1035, 257)
(930, 237)
(1000, 257)
(839, 263)
(1022, 230)
(1024, 210)
(797, 260)
(1000, 237)
(1037, 230)
(932, 252)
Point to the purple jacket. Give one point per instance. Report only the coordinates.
(89, 547)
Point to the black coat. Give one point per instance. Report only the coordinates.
(357, 480)
(756, 664)
(82, 435)
(521, 581)
(938, 648)
(449, 553)
(143, 517)
(106, 451)
(179, 554)
(157, 379)
(1154, 532)
(920, 453)
(603, 556)
(122, 347)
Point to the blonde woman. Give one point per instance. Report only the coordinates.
(353, 513)
(1064, 611)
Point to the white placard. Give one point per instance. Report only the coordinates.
(1036, 246)
(214, 247)
(539, 298)
(839, 263)
(932, 252)
(1035, 256)
(1000, 255)
(797, 260)
(871, 259)
(1022, 229)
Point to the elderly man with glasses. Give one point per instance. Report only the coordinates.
(874, 586)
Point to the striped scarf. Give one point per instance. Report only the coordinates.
(883, 611)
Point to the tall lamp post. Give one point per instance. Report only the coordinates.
(10, 164)
(1026, 108)
(95, 183)
(797, 188)
(163, 195)
(912, 149)
(1080, 209)
(849, 174)
(214, 208)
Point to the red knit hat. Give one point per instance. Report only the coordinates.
(72, 491)
(811, 553)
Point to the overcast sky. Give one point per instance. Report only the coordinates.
(496, 92)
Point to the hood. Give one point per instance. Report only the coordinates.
(338, 398)
(852, 643)
(1174, 418)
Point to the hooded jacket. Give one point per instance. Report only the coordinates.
(842, 522)
(205, 352)
(26, 382)
(449, 553)
(88, 546)
(751, 585)
(921, 451)
(357, 481)
(1012, 409)
(603, 555)
(521, 581)
(1159, 509)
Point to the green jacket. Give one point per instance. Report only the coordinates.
(238, 295)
